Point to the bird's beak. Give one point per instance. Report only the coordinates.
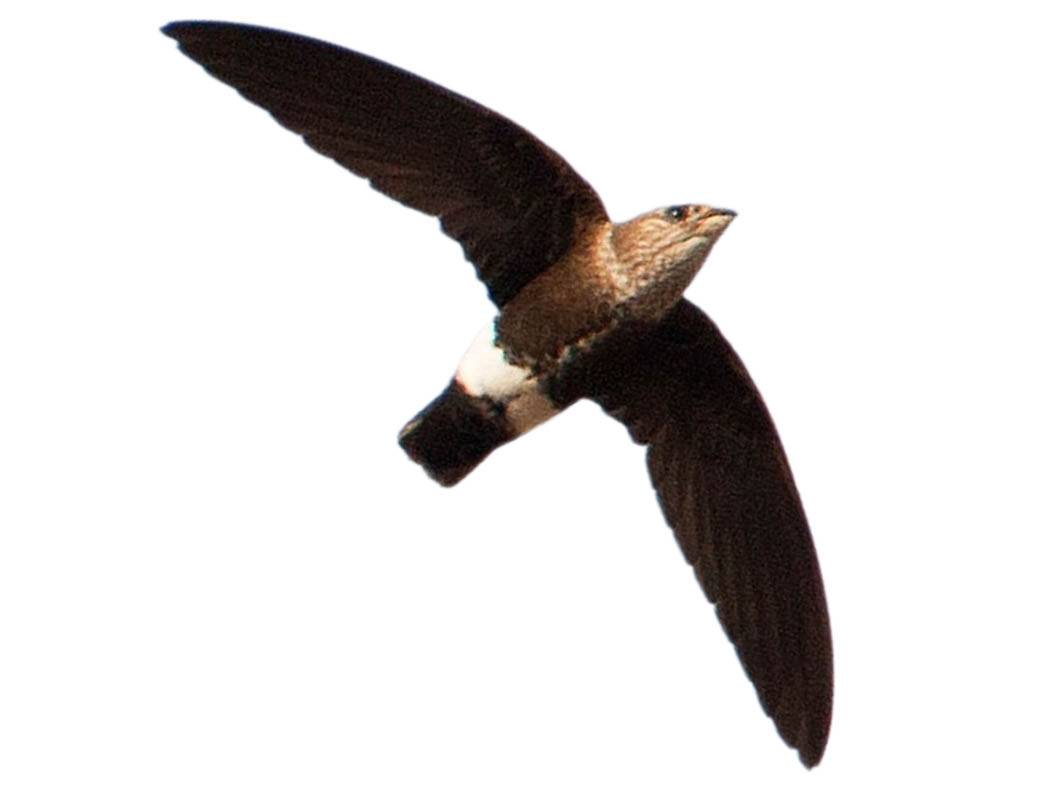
(713, 221)
(714, 212)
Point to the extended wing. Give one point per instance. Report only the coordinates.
(512, 203)
(726, 489)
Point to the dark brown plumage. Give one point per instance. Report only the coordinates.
(577, 317)
(511, 202)
(725, 488)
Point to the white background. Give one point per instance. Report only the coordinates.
(218, 570)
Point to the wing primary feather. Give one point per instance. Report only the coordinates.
(725, 488)
(520, 205)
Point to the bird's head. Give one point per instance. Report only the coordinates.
(659, 252)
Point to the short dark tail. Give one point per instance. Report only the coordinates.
(454, 434)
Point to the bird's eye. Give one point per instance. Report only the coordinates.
(676, 212)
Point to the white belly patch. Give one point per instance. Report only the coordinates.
(485, 372)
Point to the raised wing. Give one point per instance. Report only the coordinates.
(512, 203)
(726, 489)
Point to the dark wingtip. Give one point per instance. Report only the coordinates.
(183, 29)
(811, 746)
(810, 755)
(174, 29)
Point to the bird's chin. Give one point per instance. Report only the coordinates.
(693, 247)
(713, 225)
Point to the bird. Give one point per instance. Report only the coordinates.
(587, 309)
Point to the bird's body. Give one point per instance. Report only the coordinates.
(588, 308)
(617, 276)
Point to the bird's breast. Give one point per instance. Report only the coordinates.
(561, 309)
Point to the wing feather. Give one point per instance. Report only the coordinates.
(725, 488)
(513, 204)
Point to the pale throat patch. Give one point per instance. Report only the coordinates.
(485, 372)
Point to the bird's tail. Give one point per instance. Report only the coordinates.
(454, 434)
